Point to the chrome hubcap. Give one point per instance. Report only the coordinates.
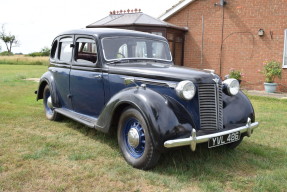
(133, 137)
(49, 102)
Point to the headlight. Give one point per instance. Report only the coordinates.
(231, 86)
(185, 90)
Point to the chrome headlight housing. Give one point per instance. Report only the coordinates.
(185, 90)
(231, 86)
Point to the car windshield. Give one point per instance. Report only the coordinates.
(122, 48)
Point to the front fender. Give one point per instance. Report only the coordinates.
(47, 79)
(236, 110)
(165, 117)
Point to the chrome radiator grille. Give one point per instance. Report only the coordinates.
(210, 106)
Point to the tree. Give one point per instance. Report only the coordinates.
(9, 40)
(45, 51)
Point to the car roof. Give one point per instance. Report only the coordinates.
(107, 32)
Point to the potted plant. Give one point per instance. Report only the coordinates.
(271, 70)
(235, 74)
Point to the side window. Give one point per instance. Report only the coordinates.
(65, 49)
(53, 49)
(285, 50)
(86, 51)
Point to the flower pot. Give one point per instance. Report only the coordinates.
(270, 87)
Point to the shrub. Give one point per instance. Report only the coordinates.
(35, 54)
(235, 74)
(271, 70)
(44, 52)
(6, 53)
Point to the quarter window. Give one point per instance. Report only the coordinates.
(86, 51)
(65, 49)
(54, 48)
(285, 50)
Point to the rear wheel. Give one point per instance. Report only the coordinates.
(135, 141)
(51, 114)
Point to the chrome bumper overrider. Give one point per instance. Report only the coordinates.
(193, 139)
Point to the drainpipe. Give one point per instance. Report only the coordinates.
(222, 3)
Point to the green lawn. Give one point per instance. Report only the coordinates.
(40, 155)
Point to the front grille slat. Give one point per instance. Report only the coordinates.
(210, 106)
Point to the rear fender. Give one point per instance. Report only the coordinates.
(47, 79)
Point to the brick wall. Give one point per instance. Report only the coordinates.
(236, 45)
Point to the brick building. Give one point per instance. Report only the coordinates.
(136, 20)
(226, 34)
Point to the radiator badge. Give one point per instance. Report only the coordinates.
(216, 80)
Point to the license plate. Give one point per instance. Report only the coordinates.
(224, 139)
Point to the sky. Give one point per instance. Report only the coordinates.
(35, 23)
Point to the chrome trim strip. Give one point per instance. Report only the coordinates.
(157, 82)
(152, 82)
(193, 140)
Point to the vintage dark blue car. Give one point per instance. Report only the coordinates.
(124, 81)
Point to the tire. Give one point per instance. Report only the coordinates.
(134, 140)
(51, 114)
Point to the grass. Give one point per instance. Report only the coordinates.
(41, 155)
(24, 60)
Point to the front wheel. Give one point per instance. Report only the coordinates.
(135, 141)
(51, 114)
(234, 144)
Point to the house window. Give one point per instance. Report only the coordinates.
(285, 50)
(157, 33)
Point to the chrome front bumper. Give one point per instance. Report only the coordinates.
(193, 139)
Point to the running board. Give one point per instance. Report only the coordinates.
(84, 119)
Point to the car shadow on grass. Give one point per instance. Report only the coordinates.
(109, 139)
(220, 165)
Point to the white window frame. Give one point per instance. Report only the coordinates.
(284, 64)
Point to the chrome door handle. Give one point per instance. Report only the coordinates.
(98, 76)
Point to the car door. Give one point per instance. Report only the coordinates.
(86, 82)
(60, 68)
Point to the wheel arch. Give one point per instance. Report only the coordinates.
(116, 115)
(47, 79)
(162, 115)
(41, 88)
